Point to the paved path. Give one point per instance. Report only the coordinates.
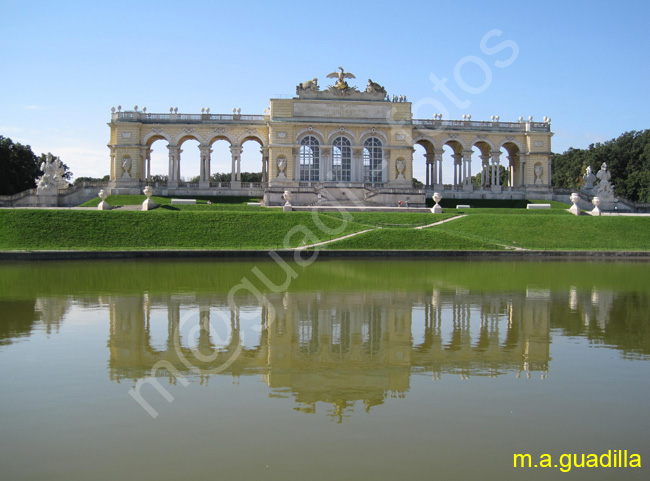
(440, 222)
(309, 246)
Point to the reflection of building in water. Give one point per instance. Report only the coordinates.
(481, 334)
(337, 348)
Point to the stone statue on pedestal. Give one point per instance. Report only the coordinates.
(604, 190)
(52, 179)
(589, 179)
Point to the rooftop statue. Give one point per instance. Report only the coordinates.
(308, 86)
(374, 87)
(340, 77)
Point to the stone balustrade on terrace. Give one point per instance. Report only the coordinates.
(429, 124)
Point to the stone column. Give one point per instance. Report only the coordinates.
(485, 168)
(235, 175)
(113, 169)
(174, 166)
(522, 166)
(296, 165)
(495, 181)
(325, 163)
(357, 164)
(385, 172)
(438, 158)
(149, 165)
(467, 162)
(431, 176)
(204, 179)
(265, 164)
(458, 158)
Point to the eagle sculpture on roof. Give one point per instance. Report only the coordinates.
(340, 77)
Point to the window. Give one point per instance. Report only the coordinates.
(373, 156)
(341, 159)
(309, 159)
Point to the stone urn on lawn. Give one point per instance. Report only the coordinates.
(148, 204)
(103, 205)
(436, 209)
(287, 197)
(596, 202)
(574, 209)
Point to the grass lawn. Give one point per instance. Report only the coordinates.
(404, 220)
(230, 203)
(551, 232)
(163, 229)
(229, 223)
(410, 239)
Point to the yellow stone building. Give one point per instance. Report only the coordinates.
(340, 145)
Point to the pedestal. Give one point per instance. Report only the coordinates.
(149, 205)
(103, 205)
(436, 209)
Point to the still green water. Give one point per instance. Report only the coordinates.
(354, 369)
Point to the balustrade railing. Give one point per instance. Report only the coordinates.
(147, 117)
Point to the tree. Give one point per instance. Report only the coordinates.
(19, 167)
(627, 158)
(80, 180)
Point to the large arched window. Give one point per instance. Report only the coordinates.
(373, 156)
(341, 159)
(309, 159)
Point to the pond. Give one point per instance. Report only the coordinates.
(340, 369)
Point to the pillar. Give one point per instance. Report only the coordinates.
(174, 165)
(204, 178)
(485, 168)
(357, 165)
(522, 165)
(325, 168)
(385, 162)
(467, 161)
(430, 163)
(235, 173)
(458, 158)
(265, 164)
(438, 158)
(496, 163)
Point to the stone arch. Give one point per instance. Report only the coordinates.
(427, 142)
(514, 167)
(504, 142)
(256, 136)
(154, 135)
(456, 143)
(221, 134)
(342, 132)
(374, 133)
(486, 148)
(310, 131)
(185, 136)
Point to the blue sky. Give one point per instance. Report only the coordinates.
(66, 63)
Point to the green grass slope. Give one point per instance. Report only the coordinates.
(555, 232)
(411, 239)
(160, 229)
